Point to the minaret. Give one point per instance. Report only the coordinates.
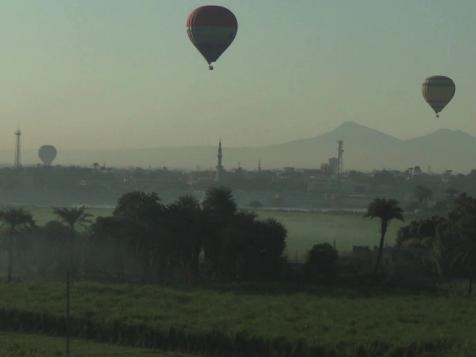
(219, 173)
(17, 162)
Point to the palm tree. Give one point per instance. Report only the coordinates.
(70, 217)
(386, 210)
(15, 219)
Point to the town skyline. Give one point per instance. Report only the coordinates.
(366, 149)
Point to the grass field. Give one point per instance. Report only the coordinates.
(333, 320)
(29, 345)
(304, 228)
(308, 228)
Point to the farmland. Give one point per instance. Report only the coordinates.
(339, 321)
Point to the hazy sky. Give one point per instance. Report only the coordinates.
(122, 73)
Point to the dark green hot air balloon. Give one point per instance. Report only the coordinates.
(438, 92)
(212, 29)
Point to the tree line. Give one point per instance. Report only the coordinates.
(446, 245)
(147, 241)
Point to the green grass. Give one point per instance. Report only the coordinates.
(29, 345)
(308, 228)
(304, 228)
(325, 319)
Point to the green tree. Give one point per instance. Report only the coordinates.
(15, 219)
(185, 223)
(143, 214)
(457, 239)
(423, 230)
(220, 203)
(110, 242)
(252, 249)
(219, 208)
(139, 206)
(72, 217)
(385, 210)
(321, 263)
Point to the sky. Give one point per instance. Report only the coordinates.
(102, 74)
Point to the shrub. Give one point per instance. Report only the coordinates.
(321, 263)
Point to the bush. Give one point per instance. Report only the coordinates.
(253, 250)
(321, 263)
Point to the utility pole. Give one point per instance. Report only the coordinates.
(17, 162)
(340, 170)
(69, 257)
(68, 308)
(340, 158)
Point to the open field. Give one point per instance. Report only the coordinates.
(204, 319)
(304, 228)
(308, 228)
(28, 345)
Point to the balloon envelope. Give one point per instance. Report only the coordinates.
(438, 92)
(212, 29)
(47, 154)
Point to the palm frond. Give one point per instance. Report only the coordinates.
(72, 216)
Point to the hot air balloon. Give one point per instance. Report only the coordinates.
(47, 154)
(438, 92)
(212, 29)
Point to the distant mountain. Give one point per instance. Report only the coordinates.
(360, 145)
(365, 149)
(443, 149)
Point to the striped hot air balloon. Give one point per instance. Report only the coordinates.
(438, 92)
(212, 29)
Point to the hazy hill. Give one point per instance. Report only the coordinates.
(365, 149)
(444, 149)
